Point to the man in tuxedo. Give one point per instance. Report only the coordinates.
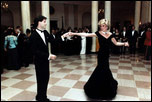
(132, 38)
(20, 47)
(141, 40)
(39, 44)
(55, 41)
(88, 41)
(123, 38)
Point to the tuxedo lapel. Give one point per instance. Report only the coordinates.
(46, 38)
(41, 39)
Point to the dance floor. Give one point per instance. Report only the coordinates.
(68, 74)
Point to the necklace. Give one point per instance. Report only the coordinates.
(104, 32)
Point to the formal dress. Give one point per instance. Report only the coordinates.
(21, 48)
(11, 41)
(28, 58)
(101, 84)
(77, 45)
(83, 45)
(147, 43)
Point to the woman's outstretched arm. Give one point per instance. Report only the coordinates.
(119, 43)
(83, 34)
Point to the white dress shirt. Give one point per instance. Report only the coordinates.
(142, 33)
(43, 38)
(53, 36)
(124, 33)
(42, 35)
(18, 35)
(133, 33)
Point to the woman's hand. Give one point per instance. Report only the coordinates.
(126, 44)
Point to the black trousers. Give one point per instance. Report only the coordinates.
(123, 49)
(12, 59)
(42, 76)
(141, 47)
(132, 47)
(21, 57)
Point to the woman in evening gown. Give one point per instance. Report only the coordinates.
(101, 84)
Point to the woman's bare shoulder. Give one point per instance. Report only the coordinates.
(109, 33)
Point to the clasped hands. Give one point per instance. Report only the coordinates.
(67, 34)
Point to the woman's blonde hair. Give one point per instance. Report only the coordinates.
(104, 21)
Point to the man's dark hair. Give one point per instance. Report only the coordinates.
(86, 27)
(28, 31)
(10, 32)
(37, 19)
(18, 27)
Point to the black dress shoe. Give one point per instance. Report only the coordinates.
(26, 65)
(43, 99)
(47, 99)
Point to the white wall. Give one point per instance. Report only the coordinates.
(7, 18)
(81, 10)
(15, 8)
(71, 16)
(35, 10)
(146, 12)
(59, 12)
(86, 19)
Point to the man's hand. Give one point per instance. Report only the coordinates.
(65, 35)
(53, 57)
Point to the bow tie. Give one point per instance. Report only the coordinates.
(41, 30)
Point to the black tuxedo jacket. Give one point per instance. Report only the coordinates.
(124, 38)
(133, 38)
(55, 40)
(143, 36)
(39, 48)
(20, 40)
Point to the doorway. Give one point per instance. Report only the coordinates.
(53, 24)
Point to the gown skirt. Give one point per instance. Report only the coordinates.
(101, 84)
